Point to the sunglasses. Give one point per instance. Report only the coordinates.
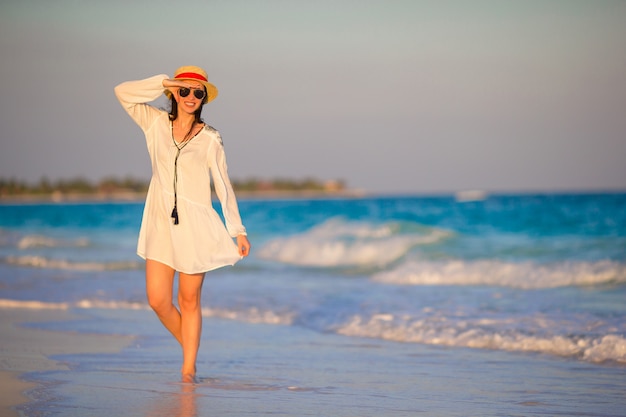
(197, 92)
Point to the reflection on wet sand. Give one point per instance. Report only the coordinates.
(176, 404)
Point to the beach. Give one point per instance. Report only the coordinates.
(248, 369)
(25, 350)
(404, 306)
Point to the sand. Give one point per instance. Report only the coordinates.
(24, 349)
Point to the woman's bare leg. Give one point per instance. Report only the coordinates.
(189, 294)
(159, 287)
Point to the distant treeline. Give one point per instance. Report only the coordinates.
(109, 186)
(12, 187)
(307, 184)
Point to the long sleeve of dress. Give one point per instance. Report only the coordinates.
(133, 96)
(224, 189)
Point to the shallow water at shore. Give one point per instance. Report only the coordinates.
(248, 369)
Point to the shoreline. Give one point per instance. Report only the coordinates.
(127, 197)
(264, 369)
(24, 349)
(132, 197)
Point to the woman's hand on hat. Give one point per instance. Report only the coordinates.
(173, 83)
(243, 245)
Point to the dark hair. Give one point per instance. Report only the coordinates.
(174, 109)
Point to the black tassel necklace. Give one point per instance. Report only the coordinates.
(179, 148)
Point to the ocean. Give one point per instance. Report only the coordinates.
(533, 282)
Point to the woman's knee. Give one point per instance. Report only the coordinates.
(189, 301)
(158, 302)
(159, 280)
(190, 291)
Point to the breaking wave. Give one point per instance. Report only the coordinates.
(339, 244)
(34, 261)
(525, 275)
(600, 342)
(485, 334)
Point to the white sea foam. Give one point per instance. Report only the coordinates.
(111, 305)
(600, 342)
(337, 243)
(483, 334)
(49, 263)
(248, 315)
(39, 241)
(610, 347)
(32, 305)
(525, 275)
(82, 304)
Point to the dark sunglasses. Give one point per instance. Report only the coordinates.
(197, 93)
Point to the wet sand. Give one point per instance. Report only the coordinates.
(24, 350)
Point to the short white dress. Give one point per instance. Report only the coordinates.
(201, 241)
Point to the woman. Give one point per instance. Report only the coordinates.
(180, 231)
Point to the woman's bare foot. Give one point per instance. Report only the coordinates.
(189, 379)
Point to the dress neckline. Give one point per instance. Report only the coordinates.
(185, 142)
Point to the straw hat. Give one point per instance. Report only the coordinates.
(193, 73)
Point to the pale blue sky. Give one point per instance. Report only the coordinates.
(390, 96)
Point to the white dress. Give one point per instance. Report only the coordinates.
(200, 242)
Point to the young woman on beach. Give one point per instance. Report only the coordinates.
(180, 230)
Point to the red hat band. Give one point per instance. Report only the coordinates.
(192, 75)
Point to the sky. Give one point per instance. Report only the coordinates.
(390, 96)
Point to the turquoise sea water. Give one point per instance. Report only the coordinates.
(536, 280)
